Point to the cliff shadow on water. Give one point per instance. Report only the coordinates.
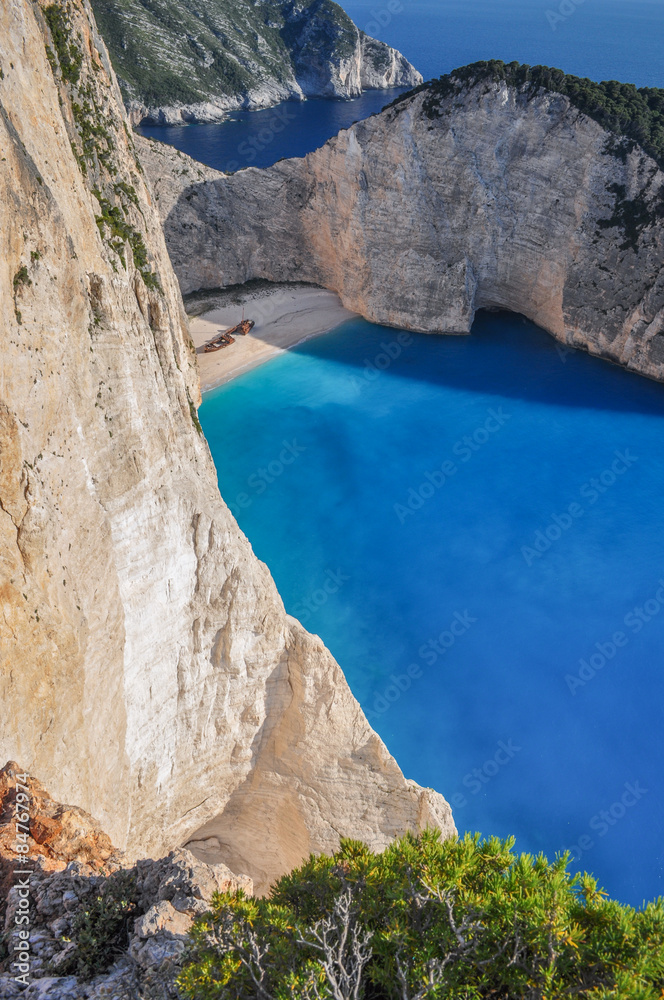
(505, 354)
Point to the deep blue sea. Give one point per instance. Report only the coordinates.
(474, 527)
(260, 138)
(602, 39)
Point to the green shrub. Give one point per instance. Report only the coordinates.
(194, 415)
(102, 926)
(21, 277)
(92, 133)
(68, 52)
(455, 919)
(117, 230)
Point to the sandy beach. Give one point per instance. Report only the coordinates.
(285, 315)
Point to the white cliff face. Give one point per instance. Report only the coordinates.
(149, 672)
(372, 65)
(382, 66)
(498, 200)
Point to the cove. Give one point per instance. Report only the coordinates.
(260, 138)
(473, 526)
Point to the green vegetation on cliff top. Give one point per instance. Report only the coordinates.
(94, 130)
(636, 114)
(186, 51)
(456, 919)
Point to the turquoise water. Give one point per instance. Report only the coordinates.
(473, 525)
(602, 39)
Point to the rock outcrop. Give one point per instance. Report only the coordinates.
(457, 198)
(186, 61)
(56, 834)
(148, 672)
(98, 926)
(72, 885)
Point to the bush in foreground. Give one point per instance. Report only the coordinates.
(455, 919)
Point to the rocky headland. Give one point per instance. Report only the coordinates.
(149, 673)
(494, 188)
(196, 60)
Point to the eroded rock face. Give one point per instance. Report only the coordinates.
(382, 67)
(148, 672)
(497, 199)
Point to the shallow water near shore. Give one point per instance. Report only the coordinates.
(473, 526)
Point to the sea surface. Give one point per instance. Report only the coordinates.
(602, 39)
(474, 527)
(260, 138)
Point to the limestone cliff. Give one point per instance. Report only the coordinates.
(149, 673)
(469, 194)
(194, 60)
